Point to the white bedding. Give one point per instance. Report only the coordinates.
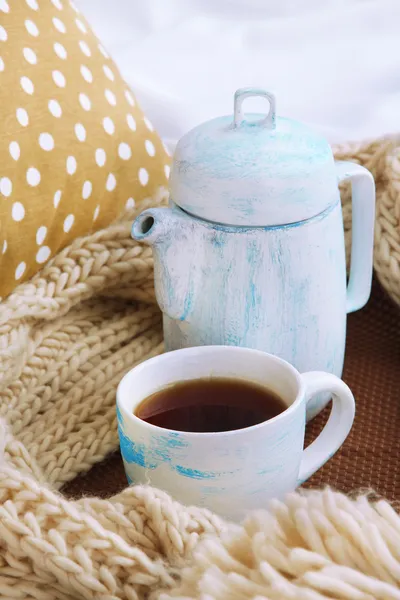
(332, 63)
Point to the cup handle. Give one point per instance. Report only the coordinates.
(336, 429)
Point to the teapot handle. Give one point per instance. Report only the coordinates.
(362, 236)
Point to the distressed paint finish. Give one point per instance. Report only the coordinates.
(235, 471)
(232, 170)
(251, 251)
(277, 289)
(274, 466)
(211, 470)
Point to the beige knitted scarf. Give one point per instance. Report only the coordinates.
(66, 339)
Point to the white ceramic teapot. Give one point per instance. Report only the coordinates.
(251, 250)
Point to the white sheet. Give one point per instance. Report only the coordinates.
(334, 64)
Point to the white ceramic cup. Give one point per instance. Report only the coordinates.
(229, 472)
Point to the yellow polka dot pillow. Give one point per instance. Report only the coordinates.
(75, 148)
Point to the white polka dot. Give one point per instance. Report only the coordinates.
(71, 165)
(5, 186)
(74, 7)
(69, 221)
(108, 73)
(108, 125)
(32, 4)
(80, 25)
(100, 157)
(60, 51)
(20, 270)
(4, 6)
(85, 102)
(57, 198)
(129, 98)
(86, 190)
(17, 211)
(43, 254)
(148, 124)
(1, 64)
(41, 234)
(167, 170)
(130, 203)
(150, 148)
(22, 117)
(85, 48)
(80, 132)
(55, 108)
(29, 56)
(86, 74)
(4, 249)
(96, 212)
(59, 25)
(46, 141)
(3, 34)
(110, 97)
(31, 28)
(58, 78)
(131, 122)
(27, 85)
(33, 176)
(143, 176)
(14, 150)
(124, 151)
(57, 4)
(111, 182)
(103, 51)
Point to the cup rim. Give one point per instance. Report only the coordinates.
(195, 350)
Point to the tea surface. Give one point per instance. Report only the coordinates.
(210, 405)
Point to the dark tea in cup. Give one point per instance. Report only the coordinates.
(222, 427)
(210, 405)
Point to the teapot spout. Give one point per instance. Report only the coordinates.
(152, 225)
(177, 248)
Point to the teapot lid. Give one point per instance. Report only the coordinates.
(253, 169)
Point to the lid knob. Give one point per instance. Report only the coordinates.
(240, 95)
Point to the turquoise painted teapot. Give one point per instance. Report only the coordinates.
(250, 251)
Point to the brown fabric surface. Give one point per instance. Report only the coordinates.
(370, 456)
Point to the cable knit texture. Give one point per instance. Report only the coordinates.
(66, 339)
